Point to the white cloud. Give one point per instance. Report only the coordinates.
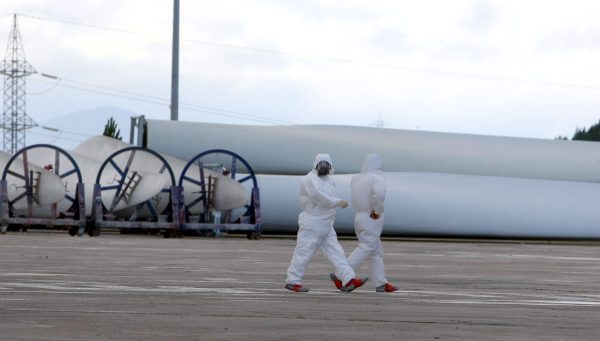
(421, 63)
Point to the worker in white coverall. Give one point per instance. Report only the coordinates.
(368, 194)
(319, 203)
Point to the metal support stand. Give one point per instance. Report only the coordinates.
(167, 222)
(249, 222)
(74, 218)
(103, 217)
(76, 225)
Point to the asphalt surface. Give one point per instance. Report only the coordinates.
(140, 287)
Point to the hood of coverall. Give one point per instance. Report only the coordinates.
(322, 157)
(372, 163)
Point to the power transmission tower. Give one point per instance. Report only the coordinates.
(380, 123)
(15, 68)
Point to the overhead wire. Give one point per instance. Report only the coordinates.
(128, 95)
(152, 99)
(45, 91)
(64, 21)
(113, 92)
(146, 98)
(54, 136)
(185, 104)
(331, 59)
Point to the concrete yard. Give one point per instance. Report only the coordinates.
(141, 287)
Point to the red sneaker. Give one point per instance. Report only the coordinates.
(336, 281)
(296, 288)
(387, 287)
(354, 283)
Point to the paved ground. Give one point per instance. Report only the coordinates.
(128, 287)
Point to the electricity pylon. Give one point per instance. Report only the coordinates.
(380, 123)
(15, 69)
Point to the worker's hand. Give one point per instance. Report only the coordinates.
(343, 204)
(374, 215)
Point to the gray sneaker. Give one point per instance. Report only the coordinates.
(387, 287)
(296, 288)
(336, 281)
(354, 283)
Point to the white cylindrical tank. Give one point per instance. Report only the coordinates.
(451, 204)
(288, 149)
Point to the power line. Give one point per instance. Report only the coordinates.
(137, 97)
(331, 59)
(72, 132)
(110, 92)
(105, 28)
(113, 92)
(45, 91)
(142, 97)
(59, 136)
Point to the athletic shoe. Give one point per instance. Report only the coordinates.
(296, 288)
(336, 281)
(387, 287)
(354, 283)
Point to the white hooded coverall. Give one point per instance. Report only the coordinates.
(318, 202)
(368, 193)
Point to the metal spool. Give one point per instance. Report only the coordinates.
(53, 161)
(227, 163)
(124, 183)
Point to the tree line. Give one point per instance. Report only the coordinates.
(582, 134)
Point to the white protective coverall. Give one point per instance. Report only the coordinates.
(368, 194)
(318, 202)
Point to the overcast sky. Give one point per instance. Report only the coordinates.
(514, 68)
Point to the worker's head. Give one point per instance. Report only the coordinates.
(323, 168)
(372, 163)
(323, 165)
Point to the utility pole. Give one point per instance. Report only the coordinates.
(175, 64)
(15, 69)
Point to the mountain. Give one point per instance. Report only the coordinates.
(70, 130)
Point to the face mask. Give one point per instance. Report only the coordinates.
(323, 168)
